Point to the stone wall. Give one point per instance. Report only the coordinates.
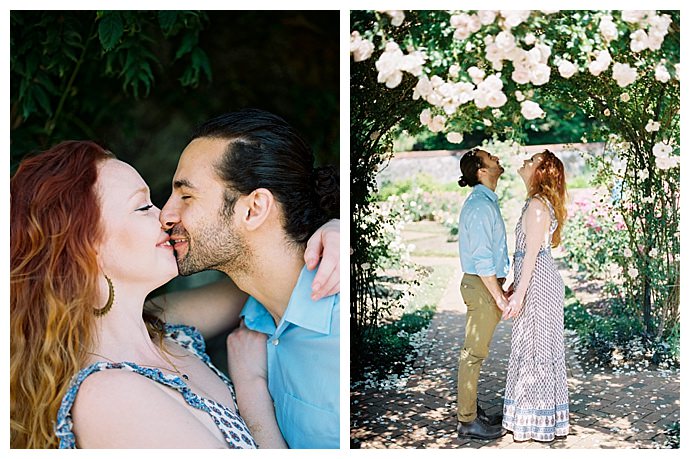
(444, 165)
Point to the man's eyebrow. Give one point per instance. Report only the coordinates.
(183, 183)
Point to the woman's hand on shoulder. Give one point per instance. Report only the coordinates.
(122, 409)
(324, 245)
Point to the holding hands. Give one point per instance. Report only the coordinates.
(516, 299)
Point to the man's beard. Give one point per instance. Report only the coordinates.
(217, 246)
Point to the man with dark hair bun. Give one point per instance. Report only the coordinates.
(246, 197)
(485, 262)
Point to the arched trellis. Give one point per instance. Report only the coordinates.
(452, 71)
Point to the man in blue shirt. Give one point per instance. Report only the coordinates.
(246, 198)
(484, 260)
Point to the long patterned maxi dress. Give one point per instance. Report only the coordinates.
(536, 396)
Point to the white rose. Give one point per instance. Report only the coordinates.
(544, 50)
(423, 88)
(639, 41)
(447, 90)
(487, 122)
(450, 106)
(662, 150)
(413, 62)
(608, 28)
(652, 126)
(360, 48)
(643, 174)
(633, 272)
(366, 266)
(567, 69)
(437, 81)
(496, 99)
(653, 253)
(519, 96)
(514, 18)
(601, 63)
(491, 83)
(397, 17)
(425, 116)
(454, 137)
(486, 17)
(625, 97)
(454, 71)
(465, 92)
(667, 163)
(529, 39)
(633, 16)
(438, 123)
(476, 74)
(388, 65)
(661, 73)
(658, 25)
(627, 253)
(607, 112)
(654, 41)
(435, 99)
(540, 74)
(624, 74)
(505, 41)
(530, 110)
(676, 70)
(521, 75)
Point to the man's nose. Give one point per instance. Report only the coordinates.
(169, 216)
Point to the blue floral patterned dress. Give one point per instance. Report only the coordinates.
(231, 425)
(536, 397)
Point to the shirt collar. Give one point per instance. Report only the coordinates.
(301, 309)
(305, 312)
(482, 189)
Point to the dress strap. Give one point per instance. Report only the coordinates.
(189, 338)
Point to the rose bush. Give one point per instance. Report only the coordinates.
(508, 71)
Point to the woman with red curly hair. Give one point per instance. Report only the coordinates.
(536, 395)
(88, 367)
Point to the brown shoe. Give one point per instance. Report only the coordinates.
(480, 429)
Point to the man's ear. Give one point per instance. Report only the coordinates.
(258, 206)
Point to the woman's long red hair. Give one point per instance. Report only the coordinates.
(548, 181)
(54, 230)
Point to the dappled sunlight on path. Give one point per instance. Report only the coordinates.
(607, 410)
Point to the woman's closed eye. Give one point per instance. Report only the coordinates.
(145, 208)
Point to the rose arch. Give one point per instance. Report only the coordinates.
(506, 71)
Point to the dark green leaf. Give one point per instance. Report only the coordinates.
(43, 99)
(28, 105)
(200, 61)
(110, 30)
(167, 20)
(189, 41)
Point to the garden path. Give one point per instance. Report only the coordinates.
(608, 410)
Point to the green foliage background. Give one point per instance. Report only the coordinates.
(140, 81)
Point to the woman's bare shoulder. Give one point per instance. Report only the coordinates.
(118, 408)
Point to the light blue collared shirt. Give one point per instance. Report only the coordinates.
(303, 364)
(482, 235)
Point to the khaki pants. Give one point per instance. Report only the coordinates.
(482, 317)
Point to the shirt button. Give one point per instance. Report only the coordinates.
(276, 341)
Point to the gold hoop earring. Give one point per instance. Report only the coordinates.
(109, 304)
